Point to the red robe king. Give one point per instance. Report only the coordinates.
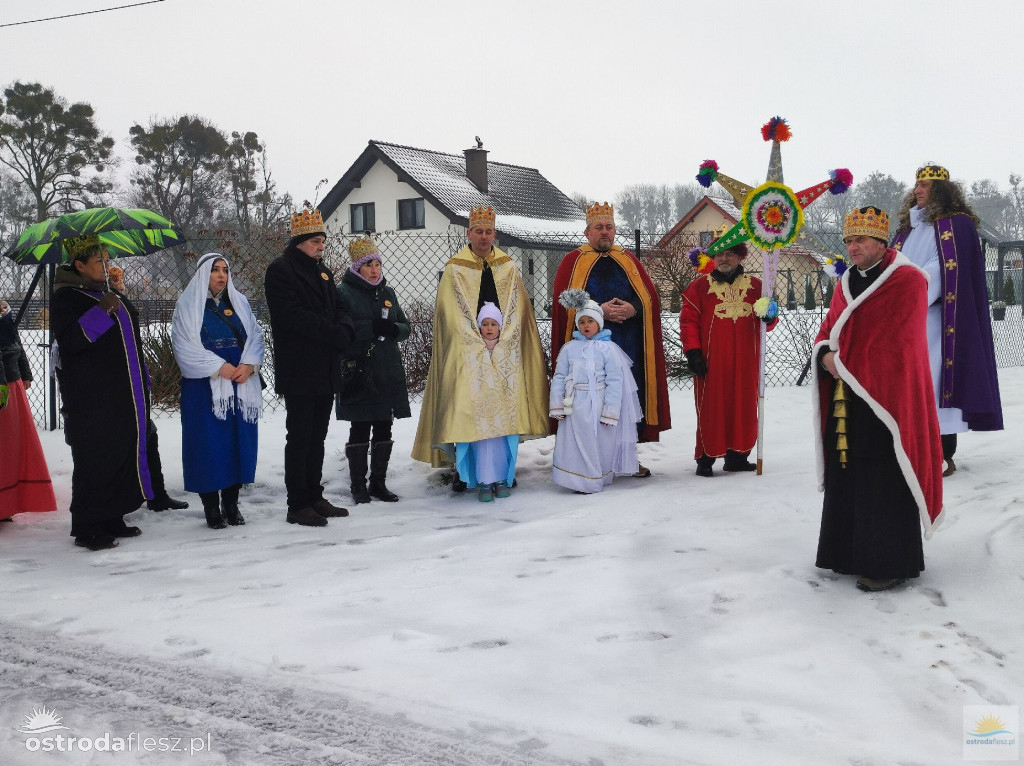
(718, 318)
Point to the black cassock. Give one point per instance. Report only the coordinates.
(105, 391)
(869, 521)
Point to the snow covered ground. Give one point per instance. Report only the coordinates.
(673, 620)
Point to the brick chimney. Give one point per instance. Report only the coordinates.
(476, 166)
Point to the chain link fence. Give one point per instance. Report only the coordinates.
(413, 263)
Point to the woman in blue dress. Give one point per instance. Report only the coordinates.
(219, 347)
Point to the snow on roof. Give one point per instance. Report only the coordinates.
(512, 190)
(526, 203)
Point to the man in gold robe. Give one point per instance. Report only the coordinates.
(471, 393)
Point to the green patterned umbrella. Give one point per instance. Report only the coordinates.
(124, 232)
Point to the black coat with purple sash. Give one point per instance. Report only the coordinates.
(105, 393)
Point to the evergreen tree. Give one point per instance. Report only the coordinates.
(51, 147)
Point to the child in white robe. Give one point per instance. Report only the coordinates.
(594, 398)
(488, 465)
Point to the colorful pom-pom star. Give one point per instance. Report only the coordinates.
(766, 308)
(835, 266)
(707, 173)
(842, 180)
(776, 129)
(700, 261)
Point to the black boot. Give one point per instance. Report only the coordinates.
(357, 455)
(229, 505)
(379, 458)
(211, 507)
(737, 461)
(165, 502)
(704, 464)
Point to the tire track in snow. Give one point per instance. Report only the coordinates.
(249, 721)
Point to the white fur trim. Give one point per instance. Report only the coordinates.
(883, 415)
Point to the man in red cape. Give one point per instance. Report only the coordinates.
(879, 453)
(721, 337)
(617, 280)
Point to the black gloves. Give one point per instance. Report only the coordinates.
(110, 303)
(385, 327)
(695, 359)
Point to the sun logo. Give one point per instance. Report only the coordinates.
(988, 725)
(41, 720)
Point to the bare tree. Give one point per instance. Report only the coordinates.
(684, 197)
(257, 203)
(992, 205)
(17, 210)
(881, 190)
(648, 207)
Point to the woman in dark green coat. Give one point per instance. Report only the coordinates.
(373, 386)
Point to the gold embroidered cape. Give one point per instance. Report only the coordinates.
(472, 394)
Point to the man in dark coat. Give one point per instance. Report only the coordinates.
(310, 332)
(105, 392)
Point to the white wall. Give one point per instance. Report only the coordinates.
(381, 186)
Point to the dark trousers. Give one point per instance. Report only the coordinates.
(306, 430)
(156, 471)
(948, 446)
(359, 431)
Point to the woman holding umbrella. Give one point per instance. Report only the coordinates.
(219, 347)
(24, 478)
(105, 390)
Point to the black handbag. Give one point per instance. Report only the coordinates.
(355, 374)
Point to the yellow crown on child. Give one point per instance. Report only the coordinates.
(307, 221)
(932, 173)
(600, 212)
(481, 216)
(78, 245)
(867, 222)
(362, 247)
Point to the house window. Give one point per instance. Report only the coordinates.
(363, 217)
(706, 238)
(410, 214)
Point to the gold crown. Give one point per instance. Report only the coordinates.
(307, 221)
(932, 173)
(481, 216)
(867, 222)
(360, 248)
(600, 212)
(78, 245)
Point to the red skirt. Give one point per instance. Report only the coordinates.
(24, 478)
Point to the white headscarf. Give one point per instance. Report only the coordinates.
(196, 361)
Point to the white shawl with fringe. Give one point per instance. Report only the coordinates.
(196, 361)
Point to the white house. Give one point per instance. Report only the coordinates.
(416, 202)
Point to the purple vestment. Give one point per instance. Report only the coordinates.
(968, 375)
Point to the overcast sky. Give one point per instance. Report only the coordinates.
(596, 95)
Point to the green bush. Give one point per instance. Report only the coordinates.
(1009, 293)
(163, 369)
